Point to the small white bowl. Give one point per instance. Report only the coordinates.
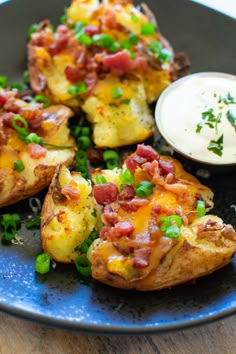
(181, 111)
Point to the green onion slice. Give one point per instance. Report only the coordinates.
(42, 263)
(42, 99)
(116, 92)
(16, 86)
(16, 120)
(145, 189)
(100, 179)
(148, 29)
(110, 155)
(126, 177)
(173, 232)
(19, 166)
(83, 266)
(201, 208)
(33, 223)
(3, 81)
(33, 138)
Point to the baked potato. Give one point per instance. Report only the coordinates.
(28, 167)
(69, 215)
(104, 46)
(153, 235)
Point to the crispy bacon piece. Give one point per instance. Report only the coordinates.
(73, 74)
(120, 229)
(36, 151)
(71, 193)
(147, 152)
(141, 256)
(119, 63)
(166, 167)
(105, 193)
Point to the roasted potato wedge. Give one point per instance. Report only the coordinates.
(154, 237)
(69, 215)
(39, 162)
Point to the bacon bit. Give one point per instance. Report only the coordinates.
(120, 229)
(94, 155)
(140, 62)
(71, 193)
(166, 167)
(119, 63)
(91, 30)
(39, 39)
(147, 152)
(127, 193)
(141, 256)
(109, 19)
(3, 99)
(131, 164)
(151, 167)
(109, 215)
(91, 80)
(105, 193)
(73, 74)
(60, 43)
(36, 151)
(133, 204)
(6, 119)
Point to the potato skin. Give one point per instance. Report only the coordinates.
(192, 260)
(38, 172)
(67, 219)
(134, 250)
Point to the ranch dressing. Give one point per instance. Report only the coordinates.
(187, 109)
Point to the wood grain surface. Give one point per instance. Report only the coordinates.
(22, 337)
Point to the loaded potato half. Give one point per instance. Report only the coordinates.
(33, 141)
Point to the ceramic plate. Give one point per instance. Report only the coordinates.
(59, 299)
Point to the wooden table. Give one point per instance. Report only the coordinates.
(22, 337)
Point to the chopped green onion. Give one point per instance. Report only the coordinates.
(114, 47)
(83, 38)
(100, 179)
(42, 263)
(32, 29)
(175, 220)
(81, 157)
(83, 266)
(16, 86)
(126, 176)
(165, 55)
(133, 38)
(148, 29)
(110, 155)
(63, 17)
(134, 18)
(10, 223)
(144, 189)
(23, 131)
(125, 44)
(201, 208)
(85, 131)
(125, 101)
(111, 164)
(84, 142)
(26, 77)
(103, 40)
(33, 138)
(19, 166)
(79, 25)
(116, 92)
(3, 81)
(42, 99)
(155, 47)
(75, 130)
(32, 223)
(167, 221)
(85, 245)
(78, 89)
(173, 232)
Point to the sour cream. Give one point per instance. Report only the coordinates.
(182, 118)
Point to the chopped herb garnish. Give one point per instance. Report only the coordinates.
(164, 55)
(209, 118)
(216, 146)
(79, 25)
(42, 99)
(42, 263)
(155, 47)
(83, 38)
(116, 92)
(17, 87)
(32, 29)
(229, 99)
(3, 81)
(134, 18)
(148, 29)
(231, 118)
(19, 166)
(63, 18)
(78, 89)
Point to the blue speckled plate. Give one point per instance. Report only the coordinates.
(59, 299)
